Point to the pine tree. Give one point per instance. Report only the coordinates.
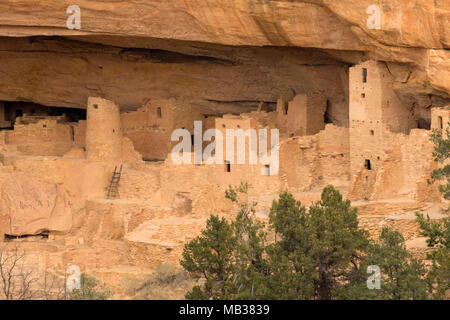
(441, 153)
(318, 248)
(210, 257)
(228, 256)
(250, 237)
(438, 234)
(438, 277)
(401, 275)
(318, 253)
(289, 269)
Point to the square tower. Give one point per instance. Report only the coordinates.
(375, 112)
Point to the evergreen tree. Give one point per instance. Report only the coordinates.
(441, 153)
(211, 257)
(318, 248)
(318, 253)
(401, 275)
(250, 237)
(438, 277)
(228, 257)
(438, 234)
(290, 270)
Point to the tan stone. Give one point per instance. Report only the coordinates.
(30, 206)
(103, 130)
(355, 107)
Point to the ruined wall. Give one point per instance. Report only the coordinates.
(400, 166)
(43, 130)
(263, 118)
(103, 130)
(440, 118)
(211, 179)
(229, 122)
(312, 162)
(303, 115)
(16, 109)
(79, 132)
(407, 168)
(39, 135)
(151, 126)
(150, 141)
(315, 113)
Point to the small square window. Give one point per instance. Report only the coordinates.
(227, 166)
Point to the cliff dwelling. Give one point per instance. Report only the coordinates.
(75, 106)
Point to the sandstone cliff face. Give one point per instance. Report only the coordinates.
(327, 24)
(29, 206)
(143, 48)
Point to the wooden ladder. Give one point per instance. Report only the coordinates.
(114, 184)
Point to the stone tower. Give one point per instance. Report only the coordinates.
(375, 113)
(103, 130)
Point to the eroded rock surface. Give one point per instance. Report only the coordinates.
(226, 56)
(30, 206)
